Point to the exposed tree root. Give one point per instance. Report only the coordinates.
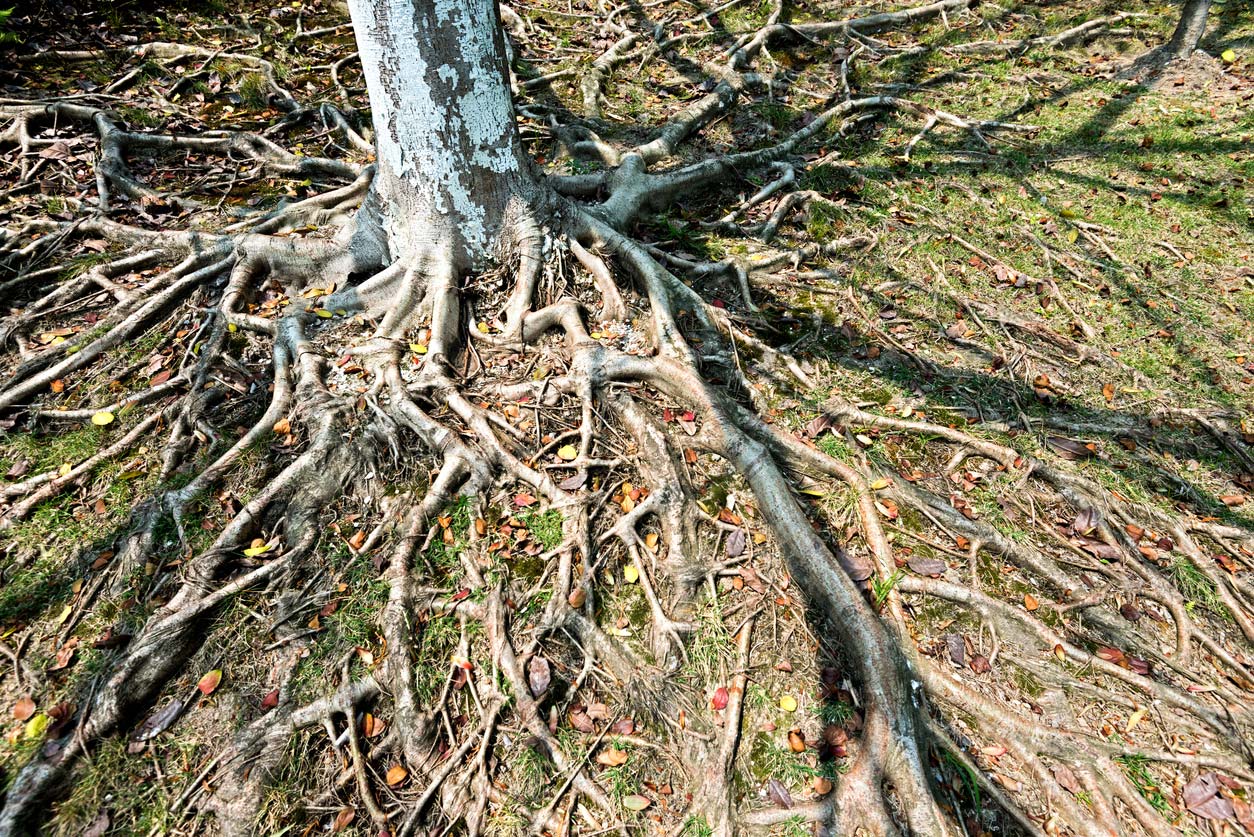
(418, 364)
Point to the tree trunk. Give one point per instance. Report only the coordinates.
(450, 163)
(1189, 30)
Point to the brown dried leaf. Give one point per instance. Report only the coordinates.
(1066, 779)
(24, 708)
(612, 757)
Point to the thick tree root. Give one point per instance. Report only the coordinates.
(372, 369)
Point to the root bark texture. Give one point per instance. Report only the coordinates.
(507, 442)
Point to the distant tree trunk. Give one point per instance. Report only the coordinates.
(1189, 30)
(450, 162)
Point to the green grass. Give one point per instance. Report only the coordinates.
(545, 527)
(1136, 768)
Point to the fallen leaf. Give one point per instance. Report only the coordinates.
(24, 708)
(630, 574)
(574, 482)
(159, 721)
(539, 675)
(957, 648)
(1201, 796)
(258, 547)
(567, 453)
(1030, 602)
(524, 500)
(345, 816)
(1071, 449)
(736, 543)
(926, 566)
(636, 802)
(102, 418)
(395, 775)
(718, 702)
(796, 741)
(210, 682)
(36, 725)
(788, 703)
(612, 757)
(1066, 778)
(373, 727)
(779, 794)
(282, 427)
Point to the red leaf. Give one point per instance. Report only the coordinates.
(719, 701)
(523, 500)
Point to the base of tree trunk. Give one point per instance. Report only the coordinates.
(395, 387)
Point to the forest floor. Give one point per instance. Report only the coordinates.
(1081, 293)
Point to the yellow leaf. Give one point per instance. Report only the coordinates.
(788, 703)
(35, 726)
(567, 452)
(323, 313)
(102, 418)
(232, 327)
(1228, 56)
(254, 551)
(418, 348)
(1072, 235)
(483, 327)
(650, 541)
(65, 469)
(880, 484)
(63, 615)
(1136, 718)
(630, 574)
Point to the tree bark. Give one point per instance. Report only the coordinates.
(1189, 30)
(450, 162)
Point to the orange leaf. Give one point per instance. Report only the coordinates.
(343, 819)
(210, 682)
(396, 774)
(612, 757)
(1030, 602)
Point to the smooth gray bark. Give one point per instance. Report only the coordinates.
(450, 163)
(1190, 29)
